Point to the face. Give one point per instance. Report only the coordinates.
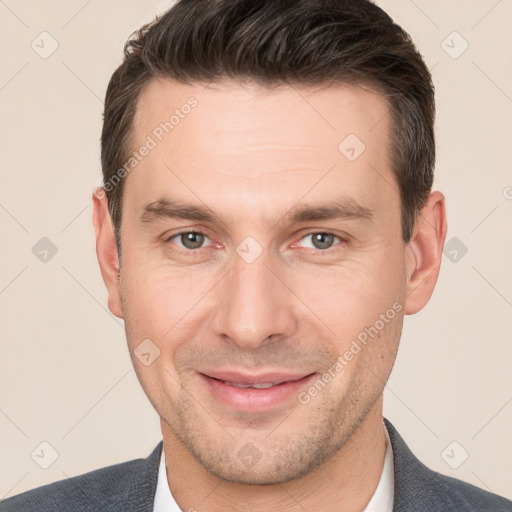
(265, 263)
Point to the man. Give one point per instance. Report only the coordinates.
(266, 221)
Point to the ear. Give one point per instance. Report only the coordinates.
(106, 250)
(424, 253)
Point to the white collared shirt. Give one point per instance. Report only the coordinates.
(382, 499)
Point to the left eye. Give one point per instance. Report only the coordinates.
(190, 240)
(320, 240)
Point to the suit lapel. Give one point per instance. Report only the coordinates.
(415, 484)
(138, 493)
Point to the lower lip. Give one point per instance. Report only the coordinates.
(252, 399)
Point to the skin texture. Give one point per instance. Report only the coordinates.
(250, 156)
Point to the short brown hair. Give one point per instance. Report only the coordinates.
(274, 42)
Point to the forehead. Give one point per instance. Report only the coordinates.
(259, 143)
(238, 112)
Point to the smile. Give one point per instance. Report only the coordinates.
(248, 393)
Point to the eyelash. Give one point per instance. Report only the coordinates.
(193, 252)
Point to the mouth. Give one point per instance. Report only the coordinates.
(254, 393)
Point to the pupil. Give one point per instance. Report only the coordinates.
(192, 240)
(322, 240)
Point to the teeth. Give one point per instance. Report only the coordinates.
(237, 385)
(263, 385)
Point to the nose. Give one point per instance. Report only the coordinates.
(254, 305)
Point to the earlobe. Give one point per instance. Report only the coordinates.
(106, 250)
(424, 253)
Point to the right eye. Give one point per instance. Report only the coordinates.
(190, 240)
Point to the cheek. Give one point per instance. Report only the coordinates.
(353, 296)
(156, 307)
(158, 301)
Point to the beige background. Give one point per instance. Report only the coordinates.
(66, 377)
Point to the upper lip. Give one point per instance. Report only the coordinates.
(262, 378)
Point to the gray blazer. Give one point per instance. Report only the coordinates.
(131, 486)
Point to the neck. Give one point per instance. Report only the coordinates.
(346, 481)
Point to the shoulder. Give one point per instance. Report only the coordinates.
(463, 496)
(107, 489)
(418, 488)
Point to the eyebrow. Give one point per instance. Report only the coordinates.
(346, 208)
(171, 209)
